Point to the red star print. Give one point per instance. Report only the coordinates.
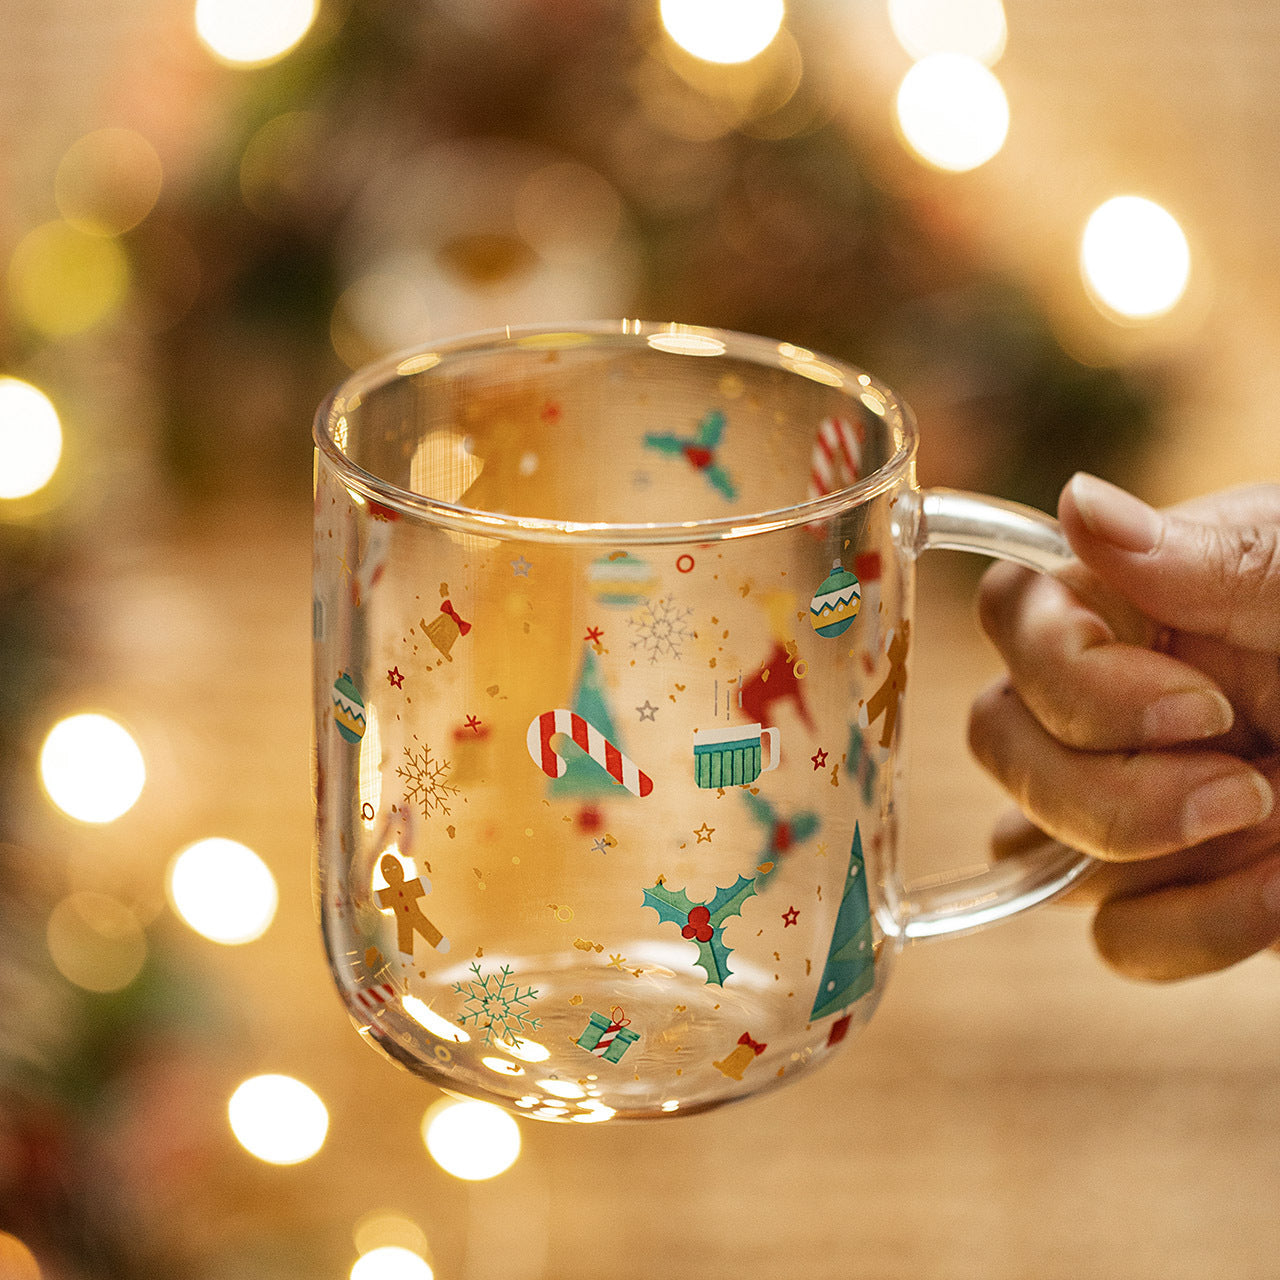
(473, 723)
(593, 635)
(394, 677)
(789, 917)
(820, 759)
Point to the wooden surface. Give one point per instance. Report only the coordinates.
(1013, 1111)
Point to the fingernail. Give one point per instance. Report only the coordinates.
(1188, 716)
(1115, 516)
(1226, 804)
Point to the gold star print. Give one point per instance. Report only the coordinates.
(703, 833)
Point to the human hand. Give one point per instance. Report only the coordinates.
(1140, 720)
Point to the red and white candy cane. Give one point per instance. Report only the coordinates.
(837, 456)
(620, 768)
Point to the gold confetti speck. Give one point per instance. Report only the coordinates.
(575, 1000)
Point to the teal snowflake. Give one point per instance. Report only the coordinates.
(498, 1005)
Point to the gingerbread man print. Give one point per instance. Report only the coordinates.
(402, 895)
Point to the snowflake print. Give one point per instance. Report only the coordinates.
(661, 626)
(495, 1003)
(426, 780)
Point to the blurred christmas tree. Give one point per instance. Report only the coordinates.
(409, 174)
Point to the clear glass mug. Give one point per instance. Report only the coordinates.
(612, 627)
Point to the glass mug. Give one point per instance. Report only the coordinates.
(612, 627)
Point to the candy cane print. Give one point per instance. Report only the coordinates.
(619, 767)
(837, 456)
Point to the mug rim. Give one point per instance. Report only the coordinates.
(693, 341)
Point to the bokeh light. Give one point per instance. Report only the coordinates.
(974, 27)
(92, 768)
(64, 280)
(17, 1262)
(108, 181)
(278, 1119)
(96, 942)
(471, 1140)
(382, 1227)
(568, 212)
(223, 890)
(1135, 258)
(952, 111)
(722, 30)
(30, 439)
(250, 33)
(391, 1262)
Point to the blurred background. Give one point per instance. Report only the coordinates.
(1048, 224)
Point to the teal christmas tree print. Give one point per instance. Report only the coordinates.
(850, 968)
(583, 778)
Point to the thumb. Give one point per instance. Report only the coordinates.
(1213, 569)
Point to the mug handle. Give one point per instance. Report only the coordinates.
(957, 521)
(771, 736)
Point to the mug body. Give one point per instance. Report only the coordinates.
(611, 631)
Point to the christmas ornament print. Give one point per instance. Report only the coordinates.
(702, 923)
(621, 768)
(836, 602)
(609, 1037)
(621, 579)
(348, 709)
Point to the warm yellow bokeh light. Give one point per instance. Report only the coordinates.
(722, 30)
(30, 439)
(96, 942)
(17, 1262)
(952, 111)
(223, 890)
(92, 768)
(382, 1227)
(391, 1262)
(249, 33)
(108, 181)
(64, 280)
(975, 27)
(471, 1140)
(1135, 258)
(278, 1119)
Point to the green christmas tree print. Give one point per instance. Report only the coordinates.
(850, 968)
(583, 778)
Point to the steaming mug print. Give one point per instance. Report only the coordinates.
(548, 563)
(732, 757)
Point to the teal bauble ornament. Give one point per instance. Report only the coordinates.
(836, 602)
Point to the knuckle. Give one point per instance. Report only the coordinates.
(997, 591)
(1258, 558)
